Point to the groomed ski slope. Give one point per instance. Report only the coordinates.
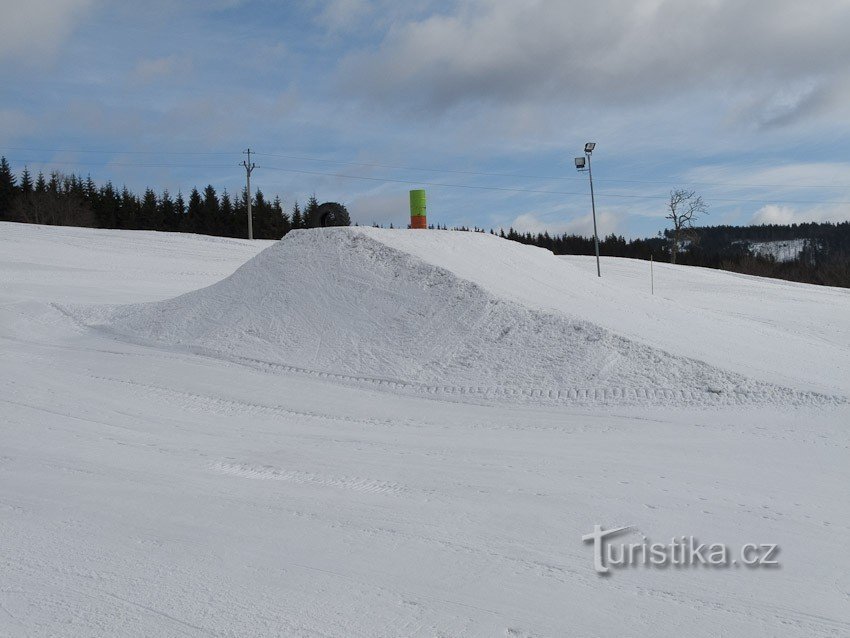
(461, 314)
(150, 490)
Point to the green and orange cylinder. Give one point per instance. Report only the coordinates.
(418, 218)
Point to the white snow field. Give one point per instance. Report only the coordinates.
(362, 432)
(780, 250)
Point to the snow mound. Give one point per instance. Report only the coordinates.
(362, 305)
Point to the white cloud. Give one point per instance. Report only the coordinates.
(609, 51)
(381, 208)
(35, 29)
(790, 102)
(342, 15)
(774, 214)
(607, 223)
(797, 175)
(151, 69)
(792, 193)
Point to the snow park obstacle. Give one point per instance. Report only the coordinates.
(329, 214)
(468, 316)
(418, 219)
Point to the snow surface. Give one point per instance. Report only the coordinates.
(438, 314)
(780, 250)
(154, 483)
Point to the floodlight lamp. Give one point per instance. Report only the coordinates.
(580, 162)
(588, 148)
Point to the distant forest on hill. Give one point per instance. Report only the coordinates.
(817, 253)
(70, 200)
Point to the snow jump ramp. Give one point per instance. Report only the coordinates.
(457, 315)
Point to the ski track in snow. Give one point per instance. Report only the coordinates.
(265, 472)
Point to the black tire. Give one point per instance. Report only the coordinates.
(329, 214)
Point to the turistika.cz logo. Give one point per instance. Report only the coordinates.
(681, 551)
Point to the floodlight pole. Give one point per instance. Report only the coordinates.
(593, 208)
(249, 167)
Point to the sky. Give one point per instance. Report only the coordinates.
(484, 103)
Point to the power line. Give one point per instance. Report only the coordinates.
(414, 168)
(546, 192)
(405, 181)
(435, 170)
(441, 184)
(108, 164)
(557, 177)
(96, 152)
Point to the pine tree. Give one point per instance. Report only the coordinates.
(149, 212)
(212, 223)
(106, 207)
(240, 215)
(180, 212)
(195, 212)
(8, 189)
(26, 182)
(167, 212)
(90, 190)
(227, 215)
(128, 210)
(53, 186)
(297, 220)
(73, 185)
(281, 218)
(40, 183)
(310, 213)
(261, 212)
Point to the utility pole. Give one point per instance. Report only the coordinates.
(249, 167)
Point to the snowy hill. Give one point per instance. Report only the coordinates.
(162, 483)
(780, 250)
(451, 313)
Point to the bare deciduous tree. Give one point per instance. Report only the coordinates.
(685, 208)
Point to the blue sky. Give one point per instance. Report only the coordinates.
(747, 103)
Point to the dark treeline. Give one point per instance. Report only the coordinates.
(70, 200)
(611, 246)
(824, 257)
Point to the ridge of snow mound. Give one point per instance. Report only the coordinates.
(350, 304)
